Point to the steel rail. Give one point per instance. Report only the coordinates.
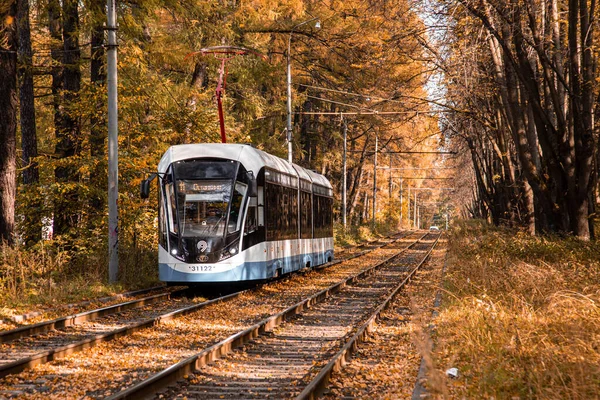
(63, 322)
(341, 358)
(133, 293)
(362, 253)
(46, 356)
(62, 351)
(177, 371)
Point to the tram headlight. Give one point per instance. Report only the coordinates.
(229, 251)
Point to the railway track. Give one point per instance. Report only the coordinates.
(27, 383)
(86, 316)
(292, 353)
(22, 321)
(137, 298)
(350, 251)
(26, 348)
(45, 341)
(31, 345)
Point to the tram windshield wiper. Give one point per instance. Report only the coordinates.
(215, 226)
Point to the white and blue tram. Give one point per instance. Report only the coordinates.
(231, 213)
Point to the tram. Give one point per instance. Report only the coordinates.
(230, 213)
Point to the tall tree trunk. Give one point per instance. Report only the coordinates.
(584, 139)
(68, 136)
(97, 123)
(56, 53)
(33, 231)
(514, 124)
(8, 124)
(28, 126)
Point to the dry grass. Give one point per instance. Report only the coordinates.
(356, 234)
(43, 276)
(521, 316)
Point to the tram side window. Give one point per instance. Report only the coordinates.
(253, 233)
(271, 206)
(251, 223)
(235, 216)
(290, 212)
(305, 215)
(281, 212)
(284, 211)
(293, 213)
(162, 220)
(318, 216)
(323, 216)
(329, 217)
(171, 207)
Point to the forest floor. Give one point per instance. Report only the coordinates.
(519, 319)
(386, 365)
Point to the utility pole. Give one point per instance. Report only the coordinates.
(113, 143)
(415, 212)
(375, 180)
(401, 182)
(408, 206)
(344, 178)
(390, 180)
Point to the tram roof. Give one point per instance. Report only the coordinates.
(252, 159)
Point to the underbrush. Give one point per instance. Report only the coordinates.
(46, 274)
(356, 234)
(520, 317)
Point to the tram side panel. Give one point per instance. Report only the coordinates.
(306, 229)
(323, 228)
(281, 221)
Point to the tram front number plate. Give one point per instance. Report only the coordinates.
(201, 268)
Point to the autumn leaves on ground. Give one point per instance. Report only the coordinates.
(519, 319)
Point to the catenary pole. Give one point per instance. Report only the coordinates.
(401, 202)
(289, 99)
(113, 148)
(415, 212)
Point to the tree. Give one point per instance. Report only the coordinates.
(26, 103)
(68, 132)
(98, 131)
(8, 112)
(33, 232)
(543, 69)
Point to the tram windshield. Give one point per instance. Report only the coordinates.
(203, 209)
(204, 200)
